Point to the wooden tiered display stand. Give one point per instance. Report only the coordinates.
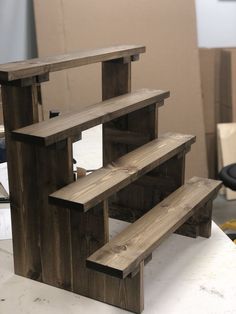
(60, 227)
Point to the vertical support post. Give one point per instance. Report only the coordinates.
(41, 240)
(89, 231)
(116, 81)
(54, 170)
(20, 108)
(171, 175)
(199, 225)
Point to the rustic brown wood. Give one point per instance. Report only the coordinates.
(150, 189)
(29, 81)
(34, 67)
(171, 174)
(199, 224)
(124, 252)
(126, 293)
(96, 187)
(73, 123)
(115, 81)
(40, 232)
(54, 170)
(126, 137)
(20, 107)
(89, 232)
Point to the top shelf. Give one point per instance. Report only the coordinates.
(34, 67)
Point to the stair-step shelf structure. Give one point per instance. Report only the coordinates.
(60, 226)
(123, 254)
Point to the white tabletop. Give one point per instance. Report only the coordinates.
(185, 276)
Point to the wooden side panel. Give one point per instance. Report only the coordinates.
(20, 108)
(89, 232)
(40, 232)
(54, 170)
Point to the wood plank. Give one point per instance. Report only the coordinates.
(126, 137)
(40, 233)
(90, 190)
(227, 150)
(123, 253)
(89, 232)
(20, 108)
(71, 124)
(33, 67)
(54, 169)
(116, 81)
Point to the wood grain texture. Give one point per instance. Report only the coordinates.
(34, 67)
(89, 232)
(40, 232)
(116, 81)
(20, 108)
(72, 124)
(144, 193)
(54, 170)
(199, 224)
(90, 190)
(124, 252)
(139, 127)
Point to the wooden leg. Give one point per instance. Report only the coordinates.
(89, 231)
(199, 224)
(20, 108)
(54, 170)
(116, 80)
(128, 293)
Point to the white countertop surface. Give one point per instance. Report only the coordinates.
(185, 276)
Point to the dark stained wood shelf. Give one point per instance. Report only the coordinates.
(73, 123)
(35, 67)
(96, 187)
(123, 254)
(141, 169)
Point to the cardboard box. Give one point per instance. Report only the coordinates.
(228, 84)
(218, 92)
(210, 83)
(211, 145)
(226, 133)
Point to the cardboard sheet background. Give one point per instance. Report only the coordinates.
(167, 28)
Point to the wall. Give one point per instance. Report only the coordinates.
(17, 36)
(216, 27)
(216, 23)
